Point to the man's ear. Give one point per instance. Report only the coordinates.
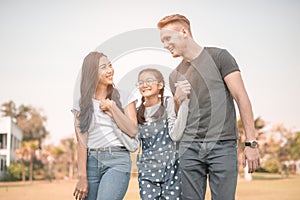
(184, 31)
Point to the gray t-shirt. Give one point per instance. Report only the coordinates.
(211, 114)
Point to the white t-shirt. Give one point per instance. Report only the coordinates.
(100, 133)
(150, 111)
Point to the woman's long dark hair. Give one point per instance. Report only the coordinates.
(88, 85)
(141, 109)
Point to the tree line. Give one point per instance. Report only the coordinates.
(36, 160)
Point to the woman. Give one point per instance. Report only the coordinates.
(103, 159)
(158, 165)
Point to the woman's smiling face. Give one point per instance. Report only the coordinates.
(105, 71)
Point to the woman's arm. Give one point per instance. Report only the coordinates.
(126, 121)
(81, 188)
(177, 124)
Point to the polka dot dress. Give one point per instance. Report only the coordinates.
(158, 164)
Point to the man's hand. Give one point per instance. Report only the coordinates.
(251, 156)
(183, 89)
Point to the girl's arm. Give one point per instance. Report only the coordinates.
(81, 188)
(183, 89)
(177, 124)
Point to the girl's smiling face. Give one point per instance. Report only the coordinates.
(148, 85)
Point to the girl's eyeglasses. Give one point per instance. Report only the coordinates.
(148, 82)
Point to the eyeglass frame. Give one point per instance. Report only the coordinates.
(148, 82)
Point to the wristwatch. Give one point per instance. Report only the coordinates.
(252, 144)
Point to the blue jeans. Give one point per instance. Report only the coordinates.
(216, 161)
(108, 174)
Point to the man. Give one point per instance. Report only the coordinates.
(208, 147)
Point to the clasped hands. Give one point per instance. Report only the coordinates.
(106, 106)
(183, 89)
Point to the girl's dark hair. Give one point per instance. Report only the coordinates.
(141, 109)
(88, 85)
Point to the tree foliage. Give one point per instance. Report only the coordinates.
(27, 154)
(60, 160)
(272, 165)
(31, 120)
(16, 171)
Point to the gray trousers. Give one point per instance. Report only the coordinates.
(216, 161)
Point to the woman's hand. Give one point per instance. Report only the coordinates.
(81, 189)
(106, 106)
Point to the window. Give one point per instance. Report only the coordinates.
(1, 165)
(4, 141)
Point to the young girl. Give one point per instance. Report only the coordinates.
(102, 112)
(158, 165)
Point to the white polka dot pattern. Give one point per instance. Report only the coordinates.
(158, 169)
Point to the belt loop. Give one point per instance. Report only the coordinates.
(88, 151)
(109, 150)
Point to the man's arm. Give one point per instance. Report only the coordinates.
(237, 89)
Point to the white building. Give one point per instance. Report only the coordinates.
(10, 140)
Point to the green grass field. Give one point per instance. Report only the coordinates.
(262, 187)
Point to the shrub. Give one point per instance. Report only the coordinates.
(272, 165)
(14, 171)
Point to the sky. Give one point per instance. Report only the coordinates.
(43, 44)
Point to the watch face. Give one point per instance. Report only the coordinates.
(254, 144)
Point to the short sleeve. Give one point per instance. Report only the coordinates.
(126, 98)
(227, 63)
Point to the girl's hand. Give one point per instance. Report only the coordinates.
(106, 106)
(183, 89)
